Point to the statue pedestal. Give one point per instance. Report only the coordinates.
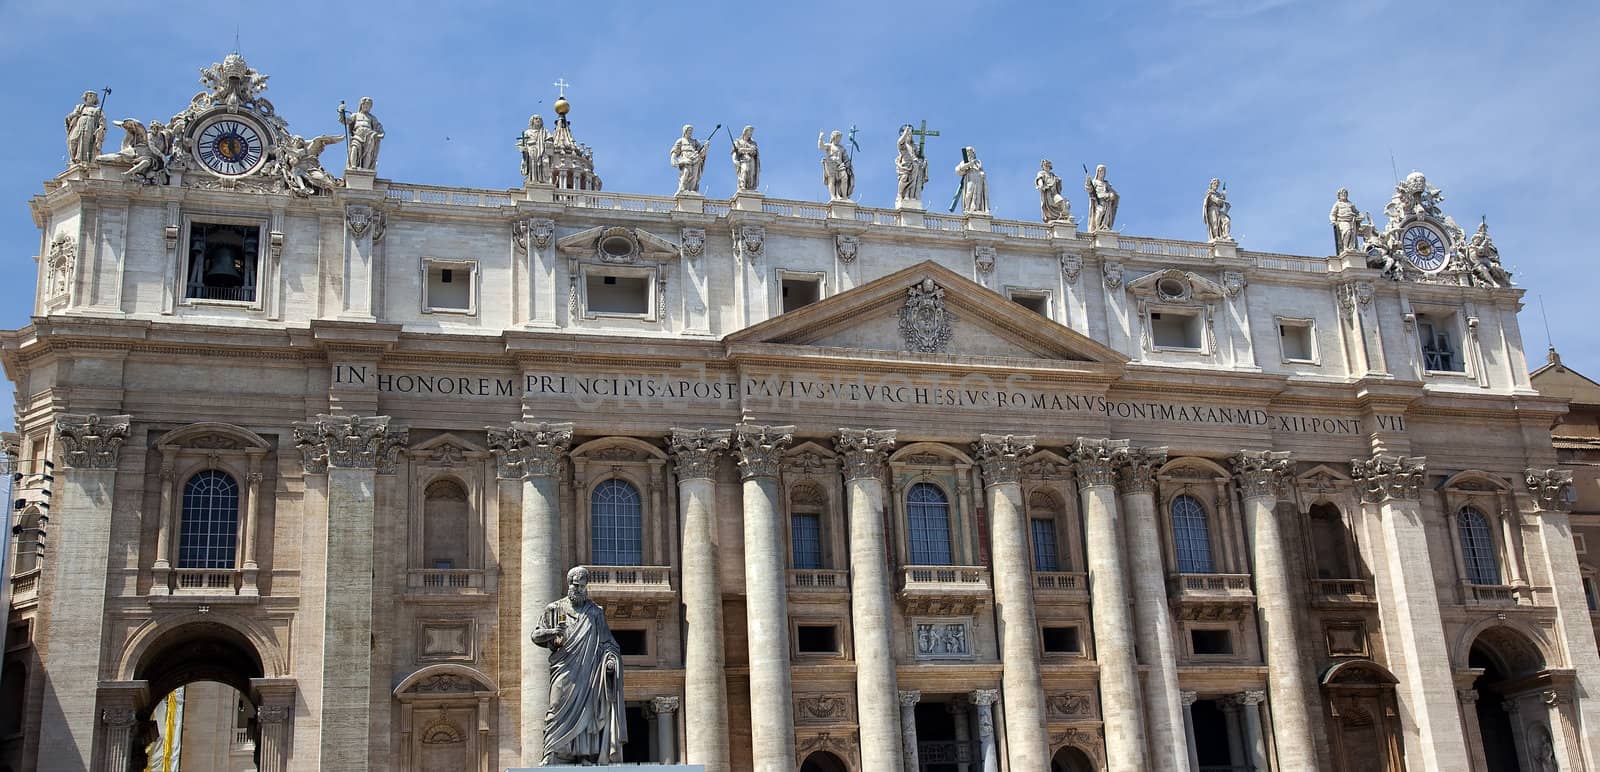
(841, 209)
(645, 767)
(1064, 230)
(907, 203)
(1226, 248)
(359, 179)
(1346, 261)
(540, 192)
(981, 223)
(911, 218)
(693, 203)
(1105, 239)
(747, 201)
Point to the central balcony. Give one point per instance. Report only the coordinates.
(944, 590)
(818, 583)
(1210, 596)
(632, 591)
(1060, 586)
(1341, 591)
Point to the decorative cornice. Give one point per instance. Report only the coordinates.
(864, 452)
(1139, 467)
(349, 442)
(1000, 456)
(1386, 476)
(529, 448)
(1551, 489)
(761, 449)
(91, 441)
(1095, 461)
(695, 451)
(1260, 472)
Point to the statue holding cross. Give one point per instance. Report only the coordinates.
(911, 165)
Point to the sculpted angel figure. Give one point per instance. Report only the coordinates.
(1413, 196)
(688, 156)
(586, 722)
(974, 183)
(1346, 220)
(300, 164)
(86, 130)
(534, 146)
(148, 149)
(1053, 206)
(1484, 258)
(1103, 200)
(838, 171)
(366, 134)
(910, 168)
(1219, 224)
(746, 160)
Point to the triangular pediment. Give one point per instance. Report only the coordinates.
(931, 311)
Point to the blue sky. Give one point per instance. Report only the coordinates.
(1286, 101)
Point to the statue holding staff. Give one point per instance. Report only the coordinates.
(910, 168)
(1103, 200)
(86, 130)
(1053, 206)
(746, 161)
(838, 171)
(365, 133)
(586, 722)
(688, 156)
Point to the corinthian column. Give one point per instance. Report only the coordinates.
(1169, 746)
(90, 446)
(871, 615)
(352, 451)
(1027, 741)
(531, 452)
(1094, 462)
(1409, 607)
(1290, 683)
(705, 685)
(760, 451)
(1551, 490)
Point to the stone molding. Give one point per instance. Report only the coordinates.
(1261, 472)
(91, 441)
(272, 714)
(695, 451)
(1139, 467)
(864, 451)
(984, 697)
(1386, 476)
(529, 448)
(349, 442)
(1000, 456)
(118, 717)
(1188, 697)
(1249, 697)
(1096, 461)
(760, 449)
(910, 697)
(1551, 489)
(661, 706)
(1071, 705)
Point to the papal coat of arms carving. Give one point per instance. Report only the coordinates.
(925, 322)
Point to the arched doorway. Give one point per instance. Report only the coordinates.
(203, 705)
(823, 761)
(1506, 661)
(1363, 717)
(1070, 759)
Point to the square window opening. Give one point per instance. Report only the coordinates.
(449, 288)
(1036, 302)
(817, 639)
(1439, 350)
(222, 262)
(799, 292)
(1175, 329)
(1062, 640)
(1589, 594)
(1296, 341)
(633, 643)
(1211, 642)
(613, 294)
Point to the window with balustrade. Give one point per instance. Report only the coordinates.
(928, 525)
(1477, 547)
(1331, 543)
(807, 543)
(616, 524)
(446, 524)
(1045, 511)
(208, 530)
(1191, 535)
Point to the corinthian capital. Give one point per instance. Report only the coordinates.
(1386, 476)
(864, 451)
(349, 442)
(1001, 456)
(1260, 472)
(1139, 467)
(91, 441)
(1095, 461)
(695, 451)
(761, 448)
(1551, 489)
(529, 448)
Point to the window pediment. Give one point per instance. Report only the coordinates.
(1173, 286)
(618, 245)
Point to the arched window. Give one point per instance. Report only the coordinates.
(1477, 547)
(29, 528)
(615, 525)
(208, 534)
(445, 515)
(928, 516)
(806, 504)
(1191, 535)
(1330, 542)
(1043, 509)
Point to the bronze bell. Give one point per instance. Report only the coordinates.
(224, 265)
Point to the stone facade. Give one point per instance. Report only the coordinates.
(860, 489)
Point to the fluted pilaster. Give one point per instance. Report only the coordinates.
(760, 453)
(695, 453)
(865, 452)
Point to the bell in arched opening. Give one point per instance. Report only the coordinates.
(224, 260)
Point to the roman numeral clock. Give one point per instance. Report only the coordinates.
(230, 146)
(1424, 246)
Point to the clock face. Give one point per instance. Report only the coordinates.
(230, 147)
(1424, 247)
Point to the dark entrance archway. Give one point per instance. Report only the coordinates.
(1505, 657)
(188, 654)
(823, 761)
(1071, 759)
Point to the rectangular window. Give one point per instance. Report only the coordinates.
(1211, 642)
(1589, 594)
(1439, 352)
(633, 643)
(1580, 544)
(1295, 340)
(1037, 302)
(1175, 329)
(617, 293)
(1062, 640)
(449, 286)
(222, 262)
(1044, 546)
(817, 639)
(800, 291)
(805, 532)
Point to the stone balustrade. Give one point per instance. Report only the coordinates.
(1059, 584)
(444, 580)
(810, 580)
(1210, 586)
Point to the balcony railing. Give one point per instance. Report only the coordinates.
(205, 581)
(1342, 590)
(971, 577)
(1057, 584)
(818, 580)
(1499, 595)
(25, 587)
(949, 752)
(241, 739)
(444, 580)
(944, 589)
(1210, 586)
